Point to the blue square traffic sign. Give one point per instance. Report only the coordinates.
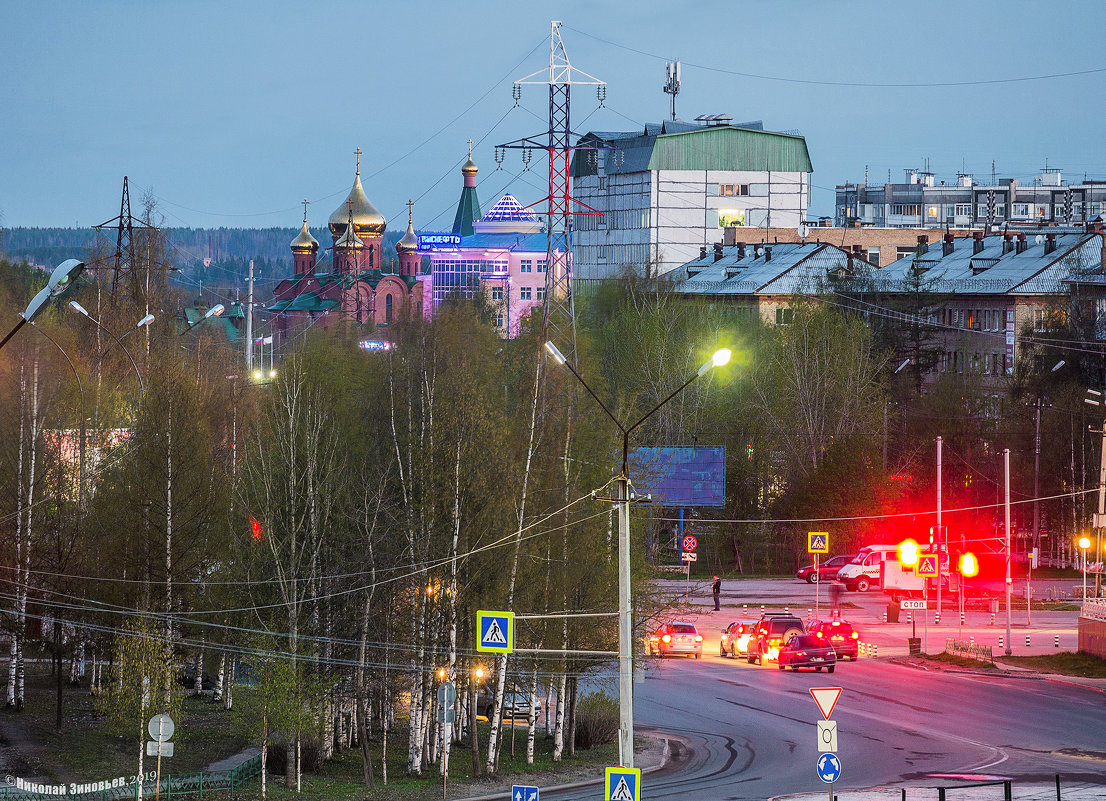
(521, 792)
(495, 632)
(622, 784)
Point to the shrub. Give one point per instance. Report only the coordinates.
(310, 756)
(596, 720)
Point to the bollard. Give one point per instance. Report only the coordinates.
(1000, 641)
(762, 610)
(745, 610)
(937, 619)
(1026, 640)
(992, 618)
(961, 618)
(875, 650)
(809, 615)
(1056, 641)
(910, 616)
(884, 615)
(971, 640)
(787, 610)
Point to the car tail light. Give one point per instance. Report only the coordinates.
(666, 638)
(836, 623)
(801, 653)
(818, 635)
(856, 636)
(698, 638)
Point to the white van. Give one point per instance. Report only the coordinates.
(862, 573)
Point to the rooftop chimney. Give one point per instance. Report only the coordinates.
(1050, 243)
(1007, 242)
(947, 245)
(1022, 244)
(977, 243)
(740, 250)
(923, 243)
(717, 251)
(703, 252)
(768, 254)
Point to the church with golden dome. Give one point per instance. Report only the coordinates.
(361, 284)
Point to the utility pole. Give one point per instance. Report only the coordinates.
(940, 570)
(1101, 516)
(249, 326)
(1006, 513)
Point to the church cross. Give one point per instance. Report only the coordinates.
(357, 153)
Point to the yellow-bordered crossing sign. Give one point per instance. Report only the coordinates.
(817, 542)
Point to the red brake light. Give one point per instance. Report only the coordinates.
(856, 636)
(698, 638)
(836, 623)
(666, 638)
(818, 634)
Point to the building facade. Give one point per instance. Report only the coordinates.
(655, 196)
(879, 246)
(922, 201)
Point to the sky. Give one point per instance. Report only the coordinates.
(231, 113)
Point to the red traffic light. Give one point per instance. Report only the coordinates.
(908, 553)
(255, 529)
(969, 565)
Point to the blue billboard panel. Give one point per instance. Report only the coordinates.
(681, 476)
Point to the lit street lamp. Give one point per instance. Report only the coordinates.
(214, 311)
(720, 358)
(1084, 544)
(61, 280)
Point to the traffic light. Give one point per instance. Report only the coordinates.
(969, 565)
(255, 529)
(908, 553)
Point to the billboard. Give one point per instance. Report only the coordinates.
(680, 476)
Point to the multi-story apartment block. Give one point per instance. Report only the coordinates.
(664, 192)
(922, 201)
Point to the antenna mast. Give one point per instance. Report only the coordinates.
(672, 82)
(561, 76)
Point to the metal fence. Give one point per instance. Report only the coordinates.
(961, 648)
(170, 786)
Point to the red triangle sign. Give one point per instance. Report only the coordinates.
(826, 698)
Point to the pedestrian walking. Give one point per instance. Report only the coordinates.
(717, 589)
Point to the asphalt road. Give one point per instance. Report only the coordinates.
(742, 731)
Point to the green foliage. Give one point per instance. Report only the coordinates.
(143, 678)
(596, 720)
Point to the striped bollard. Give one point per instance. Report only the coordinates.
(961, 618)
(1056, 641)
(884, 615)
(1026, 640)
(875, 650)
(809, 615)
(1000, 641)
(745, 610)
(937, 619)
(762, 610)
(909, 616)
(787, 610)
(992, 618)
(971, 640)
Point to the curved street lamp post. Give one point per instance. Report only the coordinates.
(720, 358)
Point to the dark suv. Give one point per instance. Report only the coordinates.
(772, 631)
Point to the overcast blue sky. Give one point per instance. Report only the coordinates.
(230, 113)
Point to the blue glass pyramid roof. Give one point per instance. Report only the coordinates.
(507, 209)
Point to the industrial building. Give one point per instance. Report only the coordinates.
(653, 197)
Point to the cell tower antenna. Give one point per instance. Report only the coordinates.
(672, 82)
(559, 311)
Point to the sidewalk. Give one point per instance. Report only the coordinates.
(1021, 791)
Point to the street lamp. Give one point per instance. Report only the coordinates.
(79, 309)
(214, 311)
(1084, 544)
(63, 278)
(720, 358)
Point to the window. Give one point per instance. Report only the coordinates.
(541, 265)
(1020, 210)
(733, 190)
(388, 308)
(1041, 211)
(907, 209)
(903, 251)
(963, 209)
(499, 320)
(602, 252)
(933, 211)
(526, 265)
(524, 293)
(541, 293)
(603, 182)
(785, 315)
(497, 293)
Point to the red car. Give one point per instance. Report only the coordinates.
(838, 633)
(807, 650)
(827, 570)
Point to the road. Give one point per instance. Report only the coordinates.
(748, 732)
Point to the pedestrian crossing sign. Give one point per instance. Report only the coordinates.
(927, 565)
(495, 632)
(622, 784)
(817, 542)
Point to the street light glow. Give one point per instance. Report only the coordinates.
(257, 375)
(721, 357)
(1084, 543)
(558, 357)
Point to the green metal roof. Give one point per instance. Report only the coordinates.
(728, 148)
(468, 209)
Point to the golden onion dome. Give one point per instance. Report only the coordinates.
(410, 242)
(304, 242)
(366, 219)
(469, 167)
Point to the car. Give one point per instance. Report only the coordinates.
(827, 570)
(734, 641)
(838, 633)
(516, 704)
(677, 638)
(807, 650)
(773, 631)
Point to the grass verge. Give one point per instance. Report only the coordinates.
(1067, 663)
(946, 658)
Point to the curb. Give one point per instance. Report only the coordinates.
(498, 796)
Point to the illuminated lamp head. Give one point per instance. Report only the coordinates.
(908, 553)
